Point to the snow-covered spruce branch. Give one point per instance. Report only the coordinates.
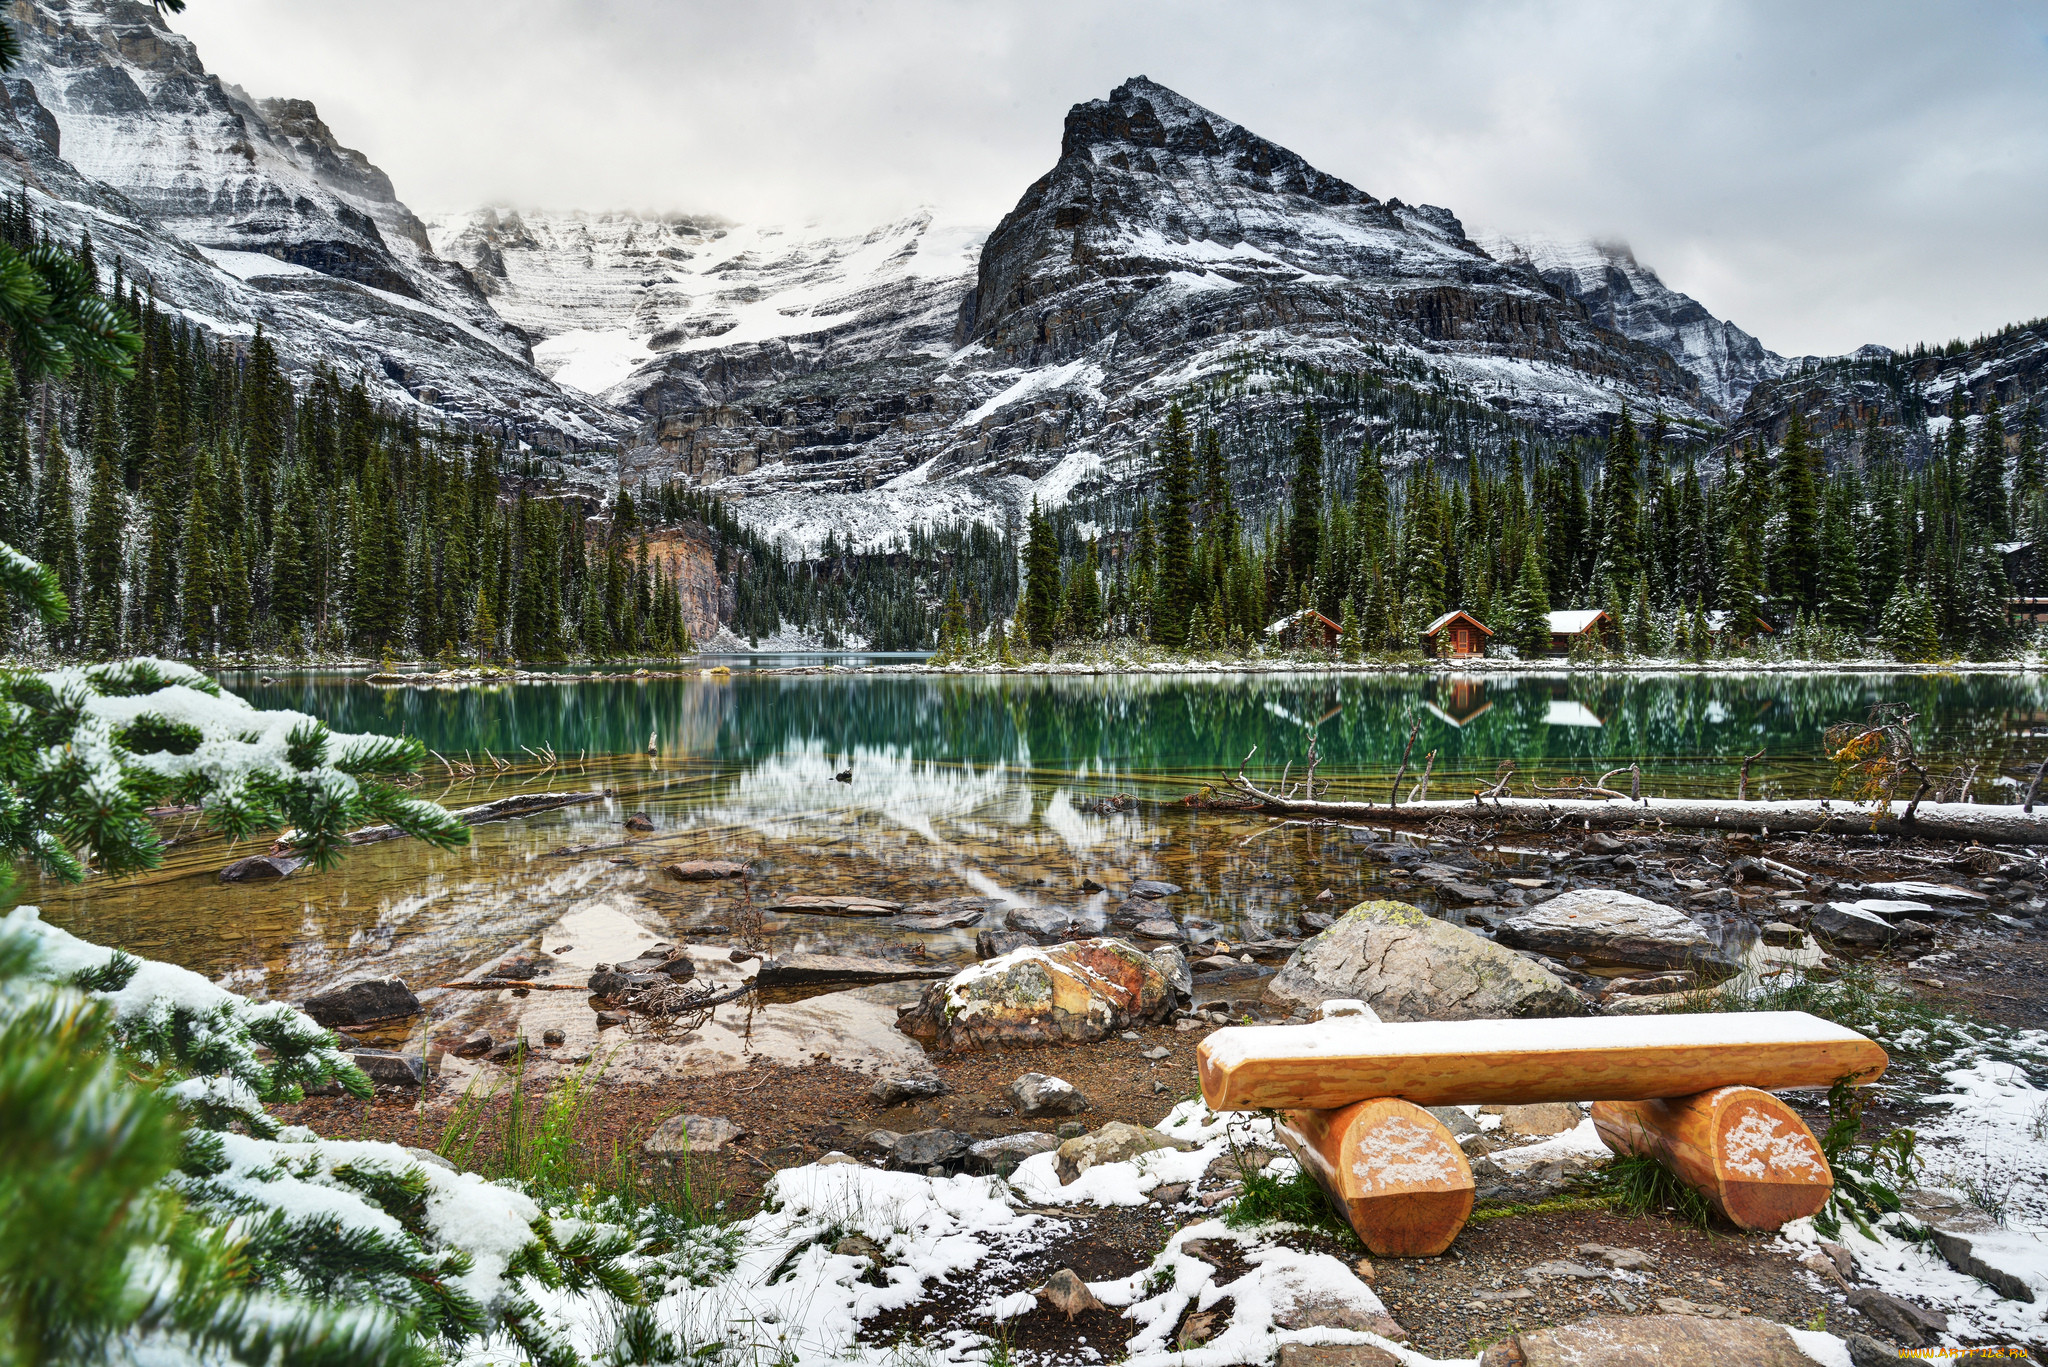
(84, 750)
(295, 1232)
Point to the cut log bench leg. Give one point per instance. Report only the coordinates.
(1743, 1149)
(1392, 1168)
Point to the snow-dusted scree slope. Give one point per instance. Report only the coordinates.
(246, 212)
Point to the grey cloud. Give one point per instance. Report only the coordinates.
(1823, 174)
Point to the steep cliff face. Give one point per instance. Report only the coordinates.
(247, 212)
(1621, 293)
(1167, 250)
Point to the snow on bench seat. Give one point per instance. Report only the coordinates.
(1514, 1062)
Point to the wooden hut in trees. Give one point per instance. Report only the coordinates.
(1455, 635)
(1579, 624)
(1307, 629)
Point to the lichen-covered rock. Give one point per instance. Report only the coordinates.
(1070, 993)
(1410, 967)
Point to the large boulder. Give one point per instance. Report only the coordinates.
(363, 1001)
(1070, 993)
(1668, 1340)
(1609, 927)
(1410, 967)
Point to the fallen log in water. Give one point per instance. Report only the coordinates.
(504, 809)
(2001, 825)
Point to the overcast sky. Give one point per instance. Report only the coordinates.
(1821, 174)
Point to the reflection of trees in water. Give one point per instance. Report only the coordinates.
(1121, 725)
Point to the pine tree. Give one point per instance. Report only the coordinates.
(57, 525)
(199, 584)
(105, 517)
(17, 466)
(1081, 610)
(1038, 614)
(1347, 623)
(1796, 563)
(1620, 554)
(1529, 616)
(1841, 587)
(1987, 495)
(1907, 627)
(1173, 590)
(1305, 504)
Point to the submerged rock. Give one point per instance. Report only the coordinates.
(993, 944)
(704, 870)
(259, 868)
(1071, 993)
(1410, 967)
(363, 1001)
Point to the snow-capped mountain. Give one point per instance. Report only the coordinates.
(246, 212)
(852, 386)
(1620, 292)
(603, 294)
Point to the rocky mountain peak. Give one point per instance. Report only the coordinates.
(1142, 118)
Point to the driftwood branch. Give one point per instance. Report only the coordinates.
(1742, 785)
(1944, 821)
(1394, 794)
(1420, 792)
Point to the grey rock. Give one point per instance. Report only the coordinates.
(261, 868)
(1116, 1142)
(1913, 1324)
(1865, 1351)
(1007, 1151)
(387, 1068)
(607, 1019)
(922, 1149)
(1040, 1094)
(1842, 923)
(1609, 927)
(851, 970)
(1038, 921)
(363, 1001)
(474, 1045)
(553, 1037)
(994, 944)
(894, 1091)
(1153, 888)
(1156, 1053)
(1454, 1119)
(1408, 966)
(1179, 977)
(1159, 930)
(1962, 1256)
(690, 1134)
(1623, 1259)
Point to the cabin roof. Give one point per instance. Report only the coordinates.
(1440, 623)
(1572, 621)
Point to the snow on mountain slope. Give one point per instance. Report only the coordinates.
(114, 118)
(1621, 293)
(606, 293)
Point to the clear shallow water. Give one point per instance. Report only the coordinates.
(961, 785)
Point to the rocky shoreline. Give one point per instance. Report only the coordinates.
(1079, 1059)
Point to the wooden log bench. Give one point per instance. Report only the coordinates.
(1692, 1091)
